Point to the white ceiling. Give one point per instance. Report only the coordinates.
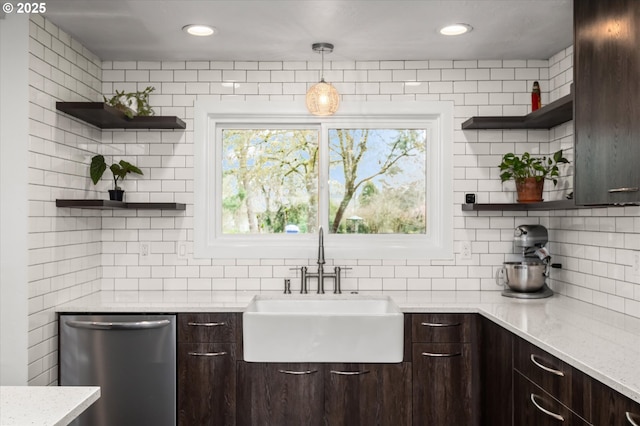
(283, 30)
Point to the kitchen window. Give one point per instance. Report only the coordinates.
(376, 177)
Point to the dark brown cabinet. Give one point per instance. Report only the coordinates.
(280, 394)
(459, 369)
(566, 384)
(535, 407)
(324, 394)
(607, 106)
(207, 369)
(368, 394)
(496, 375)
(610, 408)
(444, 365)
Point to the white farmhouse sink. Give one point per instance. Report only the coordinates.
(323, 328)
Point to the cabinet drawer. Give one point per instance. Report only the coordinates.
(535, 407)
(570, 386)
(442, 328)
(204, 328)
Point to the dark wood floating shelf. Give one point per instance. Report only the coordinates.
(557, 112)
(544, 205)
(108, 204)
(107, 117)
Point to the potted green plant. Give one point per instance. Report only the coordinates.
(119, 170)
(530, 172)
(133, 103)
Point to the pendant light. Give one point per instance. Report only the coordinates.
(322, 97)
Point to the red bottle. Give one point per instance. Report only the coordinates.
(535, 97)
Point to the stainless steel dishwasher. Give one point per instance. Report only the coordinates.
(133, 360)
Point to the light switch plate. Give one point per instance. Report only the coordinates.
(181, 250)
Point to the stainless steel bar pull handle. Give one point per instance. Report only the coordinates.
(349, 373)
(630, 418)
(547, 412)
(109, 325)
(550, 370)
(207, 324)
(440, 324)
(298, 373)
(210, 354)
(625, 189)
(435, 355)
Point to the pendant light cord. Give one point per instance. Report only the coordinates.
(322, 67)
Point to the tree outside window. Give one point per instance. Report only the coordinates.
(376, 181)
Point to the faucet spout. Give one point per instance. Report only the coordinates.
(321, 248)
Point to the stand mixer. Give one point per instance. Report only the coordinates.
(526, 278)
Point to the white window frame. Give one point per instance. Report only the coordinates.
(436, 117)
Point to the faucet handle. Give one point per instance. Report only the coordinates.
(287, 286)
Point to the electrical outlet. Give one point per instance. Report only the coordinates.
(465, 250)
(144, 249)
(636, 264)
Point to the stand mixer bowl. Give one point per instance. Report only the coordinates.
(525, 276)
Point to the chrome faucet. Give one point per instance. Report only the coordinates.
(320, 275)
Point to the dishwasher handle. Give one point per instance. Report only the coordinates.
(109, 325)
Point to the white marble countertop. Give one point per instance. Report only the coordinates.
(602, 343)
(44, 405)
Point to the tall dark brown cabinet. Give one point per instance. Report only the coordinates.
(445, 368)
(207, 369)
(607, 101)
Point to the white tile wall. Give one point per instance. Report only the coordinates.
(64, 246)
(477, 87)
(595, 246)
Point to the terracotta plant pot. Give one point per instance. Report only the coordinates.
(529, 190)
(116, 194)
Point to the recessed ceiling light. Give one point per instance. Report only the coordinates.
(455, 29)
(199, 30)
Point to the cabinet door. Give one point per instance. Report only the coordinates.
(496, 374)
(607, 106)
(613, 408)
(280, 394)
(442, 384)
(368, 394)
(534, 407)
(206, 384)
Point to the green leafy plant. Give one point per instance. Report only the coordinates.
(119, 170)
(519, 168)
(132, 104)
